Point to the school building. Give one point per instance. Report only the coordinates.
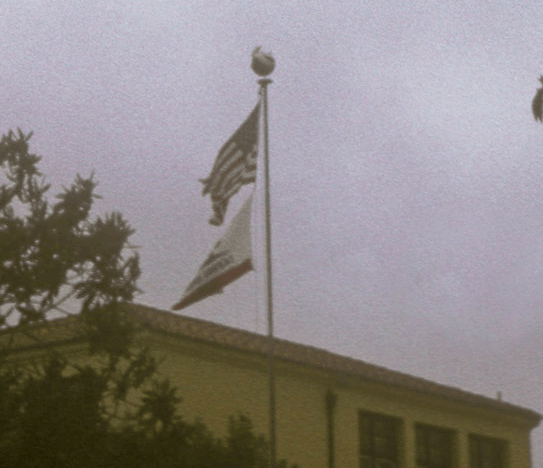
(331, 411)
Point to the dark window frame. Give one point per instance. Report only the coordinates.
(487, 452)
(378, 440)
(433, 442)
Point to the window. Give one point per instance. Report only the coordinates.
(434, 447)
(485, 452)
(378, 440)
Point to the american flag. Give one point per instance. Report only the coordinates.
(234, 166)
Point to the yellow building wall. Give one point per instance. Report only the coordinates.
(217, 382)
(412, 410)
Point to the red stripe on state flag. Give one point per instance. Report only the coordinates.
(230, 258)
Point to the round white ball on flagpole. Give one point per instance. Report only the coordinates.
(263, 63)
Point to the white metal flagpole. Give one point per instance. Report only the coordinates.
(263, 64)
(263, 87)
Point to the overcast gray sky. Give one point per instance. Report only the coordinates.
(406, 168)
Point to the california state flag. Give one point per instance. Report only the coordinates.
(229, 259)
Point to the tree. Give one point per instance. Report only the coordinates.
(51, 254)
(537, 103)
(115, 411)
(56, 260)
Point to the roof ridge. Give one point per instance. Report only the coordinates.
(66, 329)
(314, 356)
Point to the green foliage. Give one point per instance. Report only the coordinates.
(51, 253)
(57, 418)
(61, 417)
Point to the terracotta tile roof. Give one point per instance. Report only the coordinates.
(41, 335)
(68, 330)
(175, 324)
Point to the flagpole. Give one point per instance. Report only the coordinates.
(263, 64)
(269, 296)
